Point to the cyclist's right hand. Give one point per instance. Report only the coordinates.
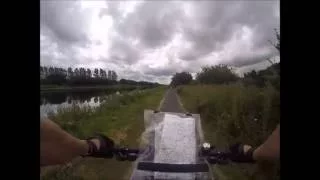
(241, 153)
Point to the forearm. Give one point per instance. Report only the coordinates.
(270, 149)
(57, 146)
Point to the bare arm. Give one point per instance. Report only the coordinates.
(57, 146)
(270, 149)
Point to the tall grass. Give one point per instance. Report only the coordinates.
(120, 117)
(84, 121)
(235, 113)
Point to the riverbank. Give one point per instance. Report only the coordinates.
(55, 88)
(235, 113)
(120, 118)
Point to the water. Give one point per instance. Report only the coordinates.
(50, 102)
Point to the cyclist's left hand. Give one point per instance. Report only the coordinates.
(100, 146)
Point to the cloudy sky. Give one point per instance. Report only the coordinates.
(151, 40)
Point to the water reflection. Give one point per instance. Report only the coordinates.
(51, 102)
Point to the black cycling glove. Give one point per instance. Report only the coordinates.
(106, 147)
(238, 154)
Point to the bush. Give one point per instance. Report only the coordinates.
(181, 78)
(261, 78)
(219, 74)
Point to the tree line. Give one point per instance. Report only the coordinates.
(77, 72)
(224, 74)
(84, 77)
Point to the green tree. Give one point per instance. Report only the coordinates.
(76, 72)
(218, 74)
(96, 73)
(58, 79)
(181, 78)
(70, 72)
(45, 70)
(82, 76)
(82, 72)
(101, 73)
(114, 76)
(277, 43)
(88, 74)
(51, 70)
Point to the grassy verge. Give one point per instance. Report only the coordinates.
(120, 118)
(234, 113)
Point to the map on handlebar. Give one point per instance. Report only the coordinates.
(170, 148)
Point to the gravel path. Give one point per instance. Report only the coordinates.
(171, 102)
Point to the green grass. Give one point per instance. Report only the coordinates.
(120, 118)
(235, 113)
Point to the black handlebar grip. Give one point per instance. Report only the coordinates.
(132, 156)
(120, 156)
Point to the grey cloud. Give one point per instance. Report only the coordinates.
(153, 23)
(63, 28)
(146, 73)
(112, 10)
(194, 53)
(261, 16)
(194, 66)
(164, 71)
(171, 68)
(257, 66)
(215, 22)
(133, 74)
(65, 19)
(53, 52)
(146, 77)
(210, 28)
(124, 51)
(249, 59)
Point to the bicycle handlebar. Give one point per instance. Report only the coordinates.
(123, 154)
(212, 155)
